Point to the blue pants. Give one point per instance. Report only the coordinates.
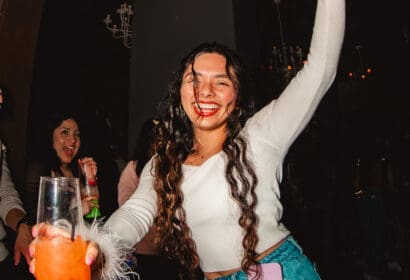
(295, 265)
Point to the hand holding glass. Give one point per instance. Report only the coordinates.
(60, 249)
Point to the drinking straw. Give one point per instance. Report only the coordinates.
(73, 220)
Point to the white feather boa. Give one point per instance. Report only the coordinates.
(114, 266)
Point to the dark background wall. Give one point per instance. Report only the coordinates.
(19, 24)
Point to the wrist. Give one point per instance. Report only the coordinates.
(92, 181)
(23, 221)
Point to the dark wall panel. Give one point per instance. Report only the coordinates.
(19, 23)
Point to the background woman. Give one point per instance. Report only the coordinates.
(59, 157)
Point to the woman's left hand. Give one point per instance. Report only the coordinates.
(21, 245)
(88, 167)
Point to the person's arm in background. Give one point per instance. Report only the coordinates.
(13, 214)
(23, 234)
(128, 182)
(32, 180)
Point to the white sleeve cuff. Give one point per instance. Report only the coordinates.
(114, 266)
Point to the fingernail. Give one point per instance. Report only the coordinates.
(89, 260)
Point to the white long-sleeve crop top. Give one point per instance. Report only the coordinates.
(211, 213)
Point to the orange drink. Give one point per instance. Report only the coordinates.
(61, 258)
(60, 250)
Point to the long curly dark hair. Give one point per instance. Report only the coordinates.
(174, 141)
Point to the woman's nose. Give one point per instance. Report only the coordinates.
(71, 138)
(206, 90)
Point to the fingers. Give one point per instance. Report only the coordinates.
(34, 230)
(27, 256)
(17, 257)
(85, 205)
(92, 255)
(32, 266)
(32, 248)
(88, 167)
(43, 230)
(21, 246)
(86, 160)
(32, 251)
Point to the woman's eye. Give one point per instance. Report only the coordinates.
(77, 134)
(64, 132)
(222, 83)
(189, 78)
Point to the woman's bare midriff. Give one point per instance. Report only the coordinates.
(216, 274)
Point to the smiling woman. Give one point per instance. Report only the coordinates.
(66, 140)
(208, 93)
(208, 96)
(241, 229)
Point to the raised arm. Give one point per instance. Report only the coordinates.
(281, 121)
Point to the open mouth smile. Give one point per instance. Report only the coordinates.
(206, 109)
(68, 151)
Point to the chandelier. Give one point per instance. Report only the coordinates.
(361, 72)
(286, 60)
(124, 30)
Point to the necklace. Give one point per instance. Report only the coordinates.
(197, 157)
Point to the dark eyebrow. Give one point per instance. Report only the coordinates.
(199, 74)
(67, 128)
(222, 76)
(188, 74)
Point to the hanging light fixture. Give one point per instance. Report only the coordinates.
(361, 72)
(286, 60)
(124, 30)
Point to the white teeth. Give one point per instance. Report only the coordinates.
(206, 106)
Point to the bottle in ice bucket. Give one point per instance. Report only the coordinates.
(90, 195)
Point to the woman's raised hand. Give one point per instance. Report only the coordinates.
(88, 167)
